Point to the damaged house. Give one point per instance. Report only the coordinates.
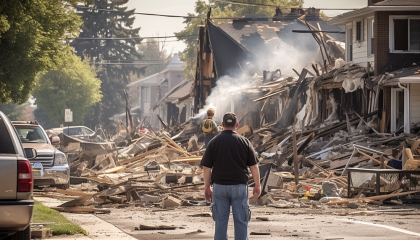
(384, 37)
(261, 45)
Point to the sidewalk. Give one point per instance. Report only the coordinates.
(96, 227)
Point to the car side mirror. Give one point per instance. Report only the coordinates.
(55, 140)
(30, 153)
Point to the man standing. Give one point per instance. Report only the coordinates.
(209, 127)
(225, 164)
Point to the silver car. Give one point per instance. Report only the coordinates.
(16, 183)
(50, 167)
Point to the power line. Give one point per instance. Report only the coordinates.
(129, 38)
(253, 4)
(141, 64)
(225, 1)
(281, 7)
(142, 13)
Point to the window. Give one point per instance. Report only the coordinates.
(371, 37)
(31, 134)
(146, 94)
(6, 143)
(405, 34)
(359, 31)
(349, 43)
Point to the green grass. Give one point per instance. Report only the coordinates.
(62, 226)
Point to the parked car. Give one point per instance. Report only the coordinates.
(78, 131)
(16, 183)
(81, 132)
(50, 167)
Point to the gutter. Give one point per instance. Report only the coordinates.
(343, 18)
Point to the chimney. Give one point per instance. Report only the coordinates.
(371, 2)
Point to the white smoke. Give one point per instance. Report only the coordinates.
(286, 58)
(226, 92)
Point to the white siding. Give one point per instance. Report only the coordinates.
(360, 49)
(415, 102)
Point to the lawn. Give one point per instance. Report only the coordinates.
(61, 226)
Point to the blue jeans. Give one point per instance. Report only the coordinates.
(236, 196)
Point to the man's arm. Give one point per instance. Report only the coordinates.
(208, 194)
(256, 176)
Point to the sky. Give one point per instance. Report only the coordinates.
(163, 26)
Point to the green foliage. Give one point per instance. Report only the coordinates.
(220, 9)
(61, 226)
(73, 86)
(116, 22)
(42, 117)
(15, 112)
(31, 34)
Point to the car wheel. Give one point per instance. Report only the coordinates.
(22, 235)
(63, 186)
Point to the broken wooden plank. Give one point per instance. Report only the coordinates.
(80, 210)
(72, 192)
(381, 197)
(155, 227)
(268, 95)
(138, 157)
(243, 130)
(196, 159)
(77, 202)
(373, 159)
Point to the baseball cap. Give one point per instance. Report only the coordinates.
(229, 118)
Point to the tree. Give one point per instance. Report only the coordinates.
(107, 19)
(73, 86)
(31, 34)
(15, 112)
(154, 50)
(220, 9)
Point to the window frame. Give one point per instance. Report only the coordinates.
(391, 33)
(359, 31)
(147, 94)
(349, 41)
(370, 33)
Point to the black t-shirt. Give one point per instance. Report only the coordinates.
(229, 154)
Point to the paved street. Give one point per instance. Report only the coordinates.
(296, 223)
(282, 224)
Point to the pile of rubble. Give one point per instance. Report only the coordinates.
(320, 150)
(159, 170)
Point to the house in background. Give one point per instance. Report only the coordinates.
(385, 37)
(153, 88)
(177, 104)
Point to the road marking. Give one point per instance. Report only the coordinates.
(382, 226)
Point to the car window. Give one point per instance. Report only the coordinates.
(87, 131)
(31, 134)
(6, 144)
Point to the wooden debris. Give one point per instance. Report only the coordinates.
(80, 210)
(72, 192)
(206, 214)
(264, 219)
(381, 197)
(155, 227)
(41, 233)
(260, 233)
(77, 202)
(171, 202)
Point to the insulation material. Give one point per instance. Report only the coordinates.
(351, 85)
(331, 103)
(339, 63)
(300, 118)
